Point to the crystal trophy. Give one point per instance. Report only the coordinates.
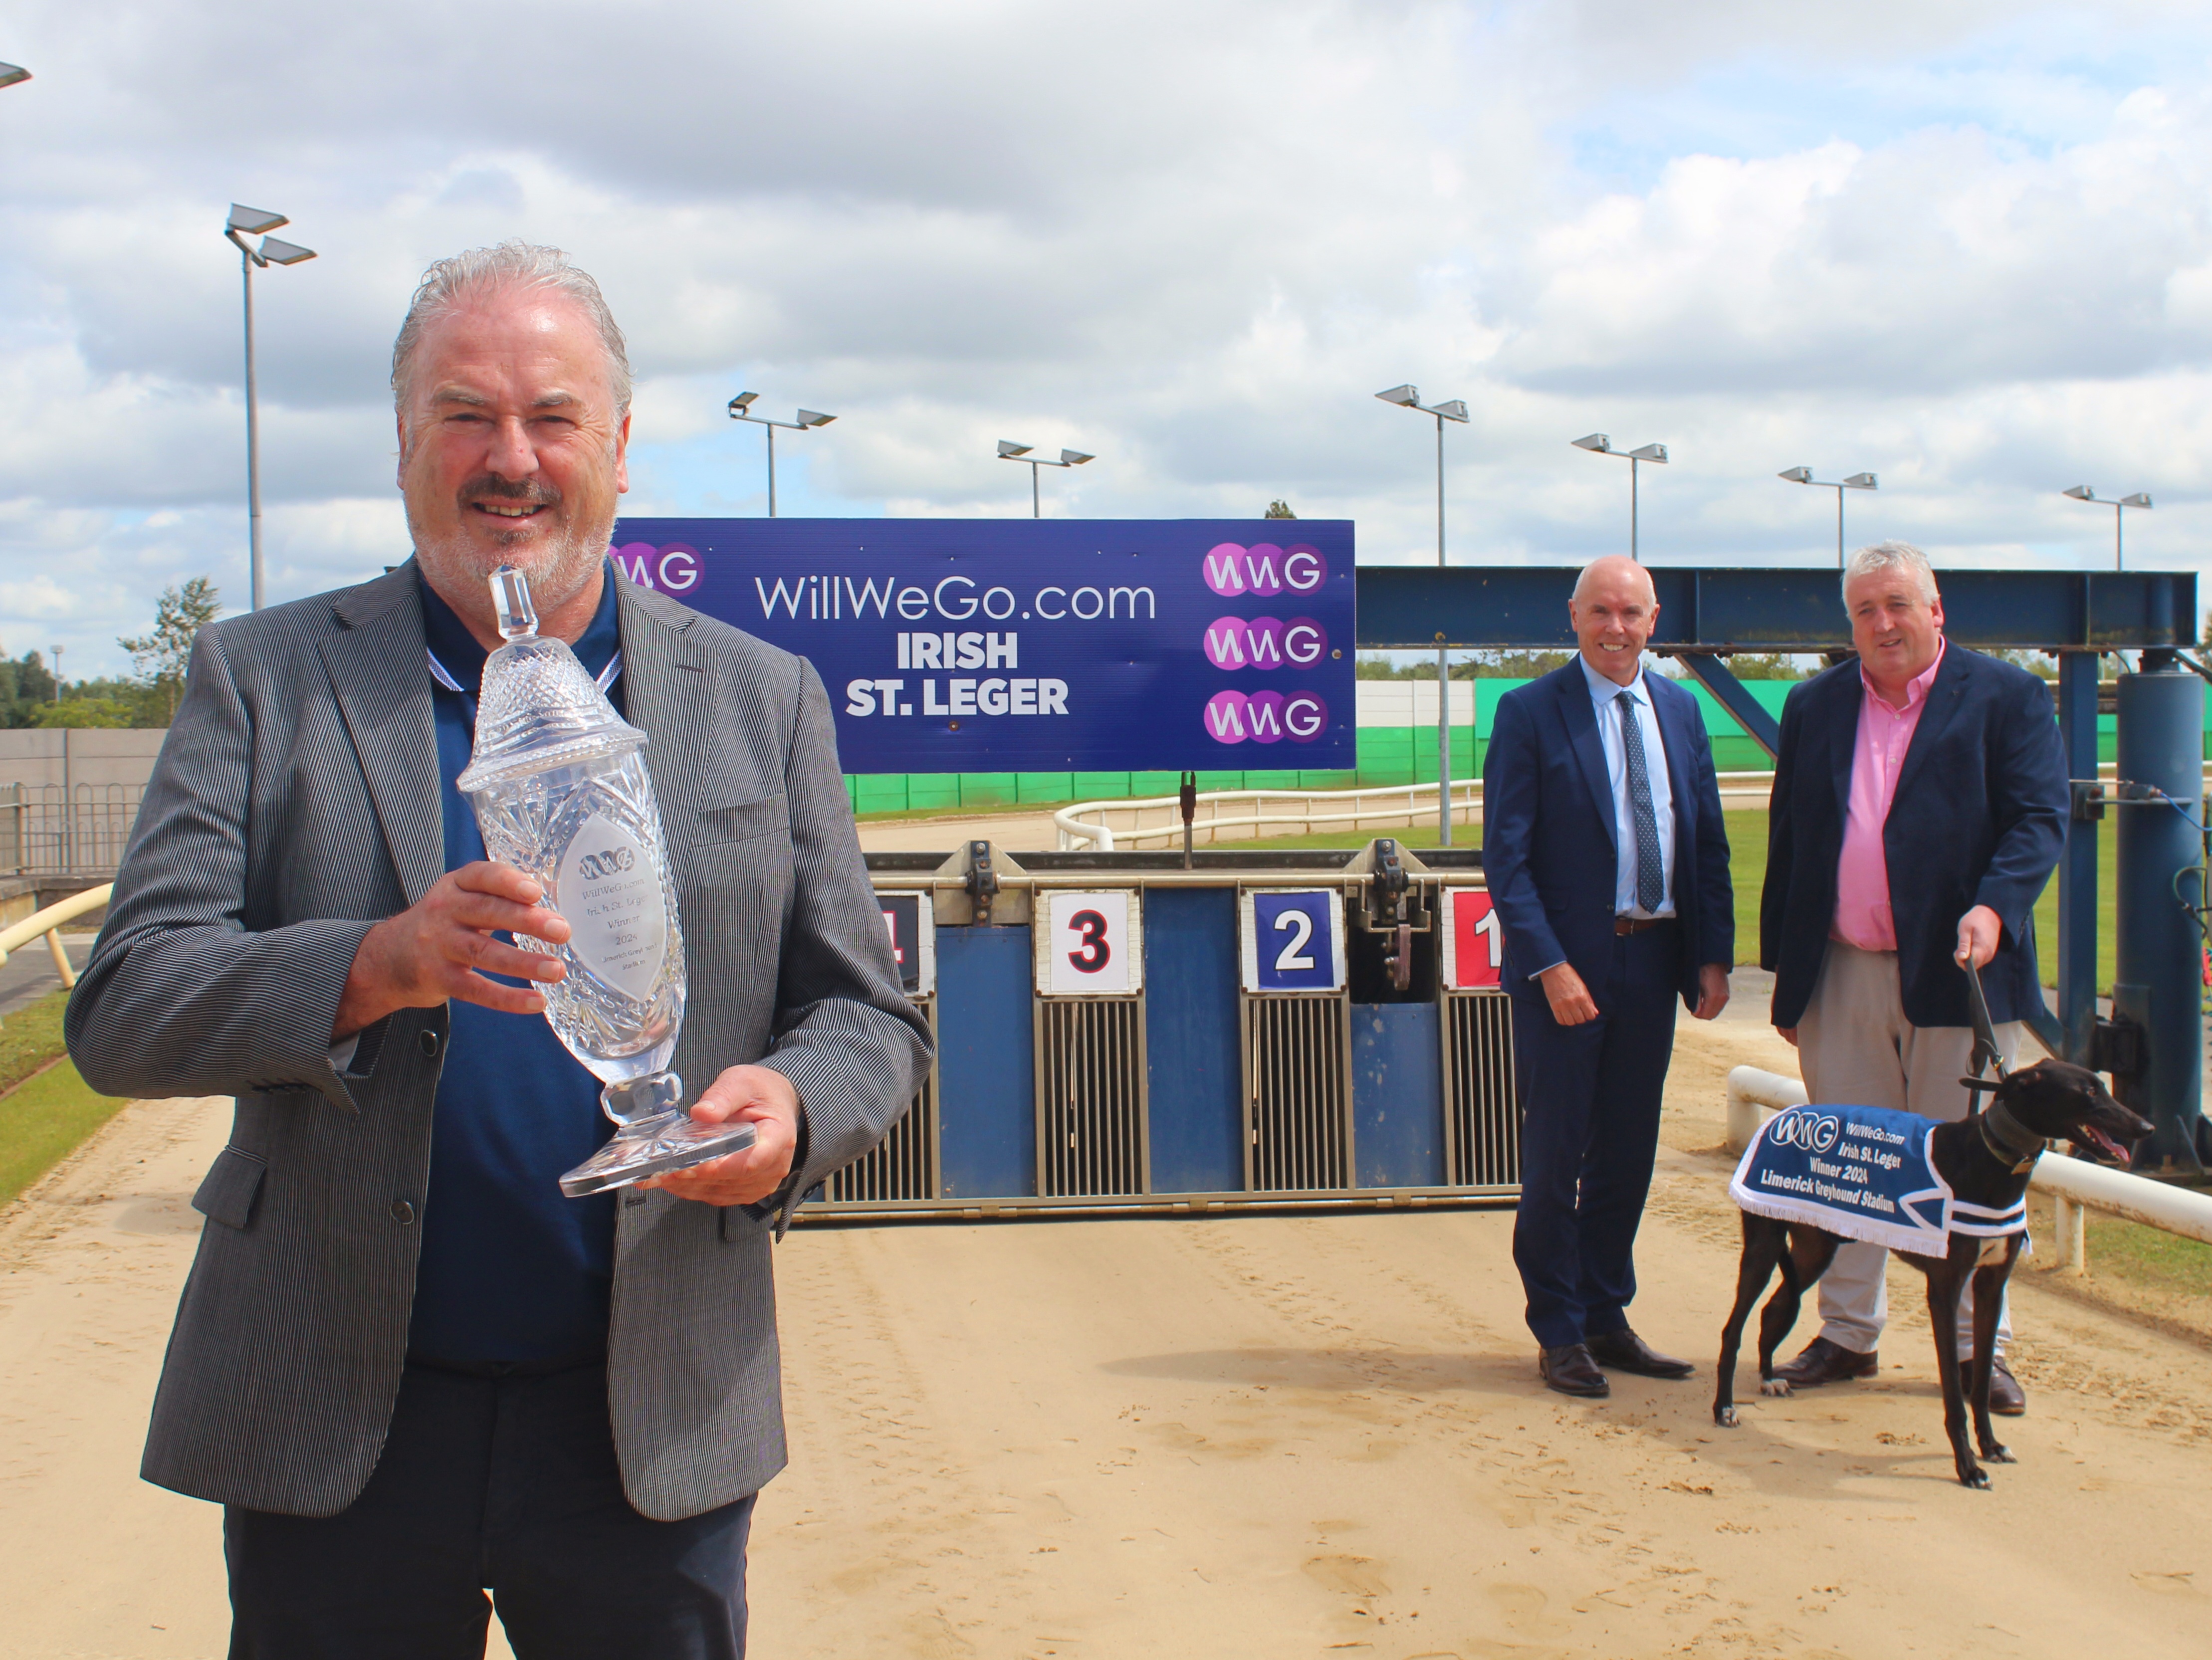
(562, 794)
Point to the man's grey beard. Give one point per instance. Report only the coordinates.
(561, 572)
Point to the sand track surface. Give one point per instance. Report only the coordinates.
(1232, 1436)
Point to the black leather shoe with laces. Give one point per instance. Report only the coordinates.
(1624, 1351)
(1569, 1370)
(2007, 1398)
(1823, 1362)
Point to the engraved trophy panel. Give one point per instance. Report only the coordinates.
(560, 792)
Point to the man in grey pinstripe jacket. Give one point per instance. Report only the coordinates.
(296, 925)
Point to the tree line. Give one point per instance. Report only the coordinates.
(29, 695)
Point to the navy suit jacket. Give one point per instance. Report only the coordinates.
(1978, 818)
(1548, 833)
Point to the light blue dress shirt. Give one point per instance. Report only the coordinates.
(1604, 697)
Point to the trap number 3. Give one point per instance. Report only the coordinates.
(1088, 949)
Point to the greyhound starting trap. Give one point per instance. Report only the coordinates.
(1122, 1032)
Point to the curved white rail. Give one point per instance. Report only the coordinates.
(49, 923)
(1088, 823)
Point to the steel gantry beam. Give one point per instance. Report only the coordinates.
(1524, 607)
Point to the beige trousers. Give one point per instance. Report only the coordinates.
(1856, 1049)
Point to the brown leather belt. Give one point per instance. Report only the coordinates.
(1638, 924)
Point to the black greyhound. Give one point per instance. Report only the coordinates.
(1987, 1160)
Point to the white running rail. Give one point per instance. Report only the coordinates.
(2075, 1185)
(1110, 826)
(49, 923)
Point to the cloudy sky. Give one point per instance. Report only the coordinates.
(1965, 245)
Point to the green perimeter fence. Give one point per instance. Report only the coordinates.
(1388, 755)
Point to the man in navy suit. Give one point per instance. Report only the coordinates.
(1920, 802)
(1608, 867)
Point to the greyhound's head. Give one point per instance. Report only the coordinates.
(2057, 1101)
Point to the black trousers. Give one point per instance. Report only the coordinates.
(1590, 1095)
(504, 1484)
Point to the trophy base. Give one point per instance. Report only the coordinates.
(653, 1146)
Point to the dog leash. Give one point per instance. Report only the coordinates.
(2009, 1141)
(1987, 1056)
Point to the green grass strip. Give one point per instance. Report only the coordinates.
(43, 1121)
(32, 1035)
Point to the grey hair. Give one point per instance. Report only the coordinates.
(452, 282)
(1891, 556)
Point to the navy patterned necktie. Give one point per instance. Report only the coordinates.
(1650, 879)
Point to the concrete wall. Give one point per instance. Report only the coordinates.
(79, 756)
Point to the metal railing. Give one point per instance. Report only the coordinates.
(56, 829)
(49, 923)
(1114, 825)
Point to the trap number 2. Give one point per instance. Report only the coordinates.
(1292, 944)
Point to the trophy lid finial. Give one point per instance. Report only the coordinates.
(510, 598)
(537, 708)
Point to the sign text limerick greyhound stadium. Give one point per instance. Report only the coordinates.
(1041, 646)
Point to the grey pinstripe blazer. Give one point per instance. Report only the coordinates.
(296, 801)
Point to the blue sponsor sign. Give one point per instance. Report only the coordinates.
(1010, 645)
(1293, 941)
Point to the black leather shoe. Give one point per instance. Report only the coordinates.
(1624, 1351)
(1823, 1362)
(1569, 1370)
(2007, 1398)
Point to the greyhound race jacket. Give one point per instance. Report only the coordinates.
(1865, 1173)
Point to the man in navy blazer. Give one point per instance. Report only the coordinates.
(1608, 868)
(1920, 803)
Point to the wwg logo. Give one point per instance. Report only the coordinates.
(593, 866)
(1801, 1126)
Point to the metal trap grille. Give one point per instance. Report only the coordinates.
(904, 1164)
(1090, 1097)
(1298, 1093)
(1481, 1106)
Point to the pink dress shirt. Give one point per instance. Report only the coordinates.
(1863, 915)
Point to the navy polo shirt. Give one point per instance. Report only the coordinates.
(511, 1270)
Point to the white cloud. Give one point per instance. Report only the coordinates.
(1956, 246)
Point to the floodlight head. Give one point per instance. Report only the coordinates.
(1796, 475)
(11, 73)
(1077, 458)
(814, 418)
(740, 403)
(1596, 441)
(1455, 410)
(2081, 493)
(1406, 397)
(1008, 449)
(1649, 452)
(1861, 481)
(276, 252)
(2138, 500)
(253, 221)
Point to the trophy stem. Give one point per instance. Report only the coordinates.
(654, 1136)
(653, 1097)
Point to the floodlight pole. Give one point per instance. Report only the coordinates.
(1409, 397)
(243, 222)
(1010, 451)
(1598, 444)
(2084, 493)
(252, 440)
(741, 410)
(1857, 480)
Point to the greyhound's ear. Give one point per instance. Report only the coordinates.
(1989, 1085)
